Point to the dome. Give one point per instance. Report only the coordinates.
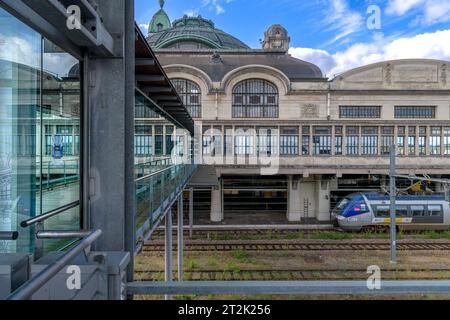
(194, 33)
(160, 20)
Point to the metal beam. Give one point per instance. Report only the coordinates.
(9, 235)
(156, 89)
(288, 287)
(149, 78)
(142, 62)
(91, 34)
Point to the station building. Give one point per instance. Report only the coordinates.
(327, 137)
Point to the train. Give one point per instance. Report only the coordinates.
(360, 211)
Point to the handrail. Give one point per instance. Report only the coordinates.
(155, 173)
(49, 214)
(62, 234)
(9, 235)
(34, 284)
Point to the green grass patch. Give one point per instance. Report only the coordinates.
(240, 255)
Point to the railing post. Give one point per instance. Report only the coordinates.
(191, 212)
(180, 236)
(168, 251)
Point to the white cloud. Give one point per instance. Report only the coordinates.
(341, 19)
(428, 46)
(191, 12)
(400, 7)
(144, 27)
(431, 11)
(216, 5)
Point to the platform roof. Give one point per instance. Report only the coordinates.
(204, 177)
(152, 81)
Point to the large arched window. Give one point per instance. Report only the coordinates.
(255, 98)
(191, 94)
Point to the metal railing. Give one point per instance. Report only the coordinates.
(49, 214)
(9, 235)
(34, 284)
(155, 193)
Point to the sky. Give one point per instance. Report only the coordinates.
(337, 35)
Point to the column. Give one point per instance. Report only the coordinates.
(323, 200)
(294, 207)
(216, 204)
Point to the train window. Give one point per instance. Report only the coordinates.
(401, 211)
(435, 210)
(418, 211)
(382, 211)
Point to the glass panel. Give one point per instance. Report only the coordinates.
(39, 144)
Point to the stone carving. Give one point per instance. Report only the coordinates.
(444, 74)
(388, 73)
(310, 110)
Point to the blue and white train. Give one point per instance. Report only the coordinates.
(359, 211)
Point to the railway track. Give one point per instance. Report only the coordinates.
(295, 274)
(150, 247)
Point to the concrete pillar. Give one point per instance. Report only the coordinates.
(216, 205)
(323, 200)
(294, 207)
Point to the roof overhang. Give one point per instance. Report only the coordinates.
(152, 81)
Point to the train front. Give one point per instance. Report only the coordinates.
(352, 213)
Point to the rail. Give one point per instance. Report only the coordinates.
(62, 234)
(33, 285)
(49, 214)
(9, 235)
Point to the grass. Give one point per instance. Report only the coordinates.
(436, 235)
(240, 255)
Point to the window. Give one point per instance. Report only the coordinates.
(352, 140)
(401, 140)
(191, 95)
(401, 210)
(411, 141)
(228, 141)
(447, 141)
(267, 141)
(369, 140)
(217, 140)
(435, 211)
(382, 211)
(159, 140)
(143, 140)
(306, 140)
(207, 141)
(143, 110)
(347, 112)
(169, 140)
(424, 112)
(418, 211)
(255, 98)
(338, 140)
(435, 141)
(244, 142)
(322, 141)
(387, 138)
(422, 141)
(289, 141)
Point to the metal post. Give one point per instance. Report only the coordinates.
(168, 251)
(180, 235)
(191, 212)
(392, 193)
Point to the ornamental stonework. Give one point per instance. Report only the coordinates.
(310, 110)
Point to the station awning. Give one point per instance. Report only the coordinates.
(152, 81)
(204, 177)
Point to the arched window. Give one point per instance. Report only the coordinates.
(255, 98)
(191, 95)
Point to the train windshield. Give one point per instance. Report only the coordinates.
(343, 204)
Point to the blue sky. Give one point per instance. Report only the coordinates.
(331, 33)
